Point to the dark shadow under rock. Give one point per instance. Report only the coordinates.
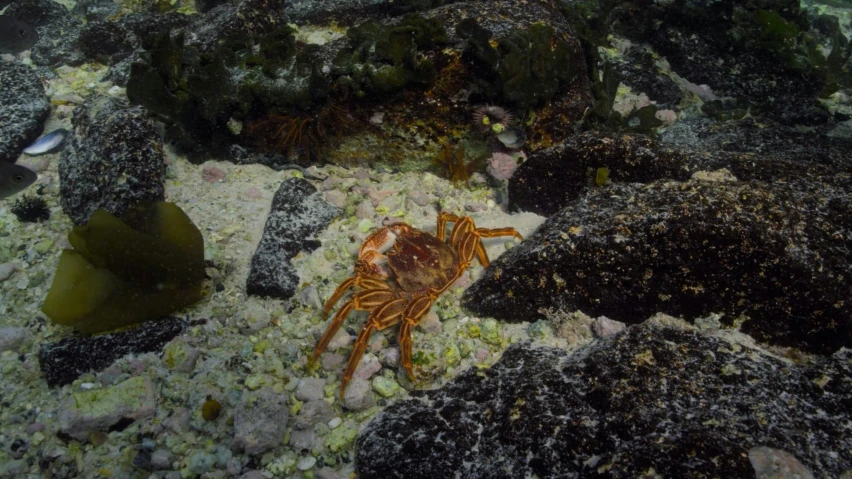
(773, 255)
(23, 109)
(660, 397)
(298, 213)
(113, 160)
(64, 361)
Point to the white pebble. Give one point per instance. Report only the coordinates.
(6, 270)
(335, 422)
(306, 463)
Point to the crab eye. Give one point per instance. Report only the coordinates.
(18, 178)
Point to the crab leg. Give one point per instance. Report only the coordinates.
(383, 317)
(364, 300)
(365, 282)
(414, 313)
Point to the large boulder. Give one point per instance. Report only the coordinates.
(770, 256)
(113, 160)
(661, 397)
(23, 109)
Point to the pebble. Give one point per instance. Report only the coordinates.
(200, 462)
(431, 323)
(253, 193)
(604, 327)
(306, 463)
(358, 395)
(389, 357)
(302, 439)
(313, 412)
(6, 271)
(253, 475)
(481, 354)
(332, 361)
(420, 198)
(212, 174)
(336, 198)
(341, 339)
(368, 366)
(162, 459)
(310, 389)
(365, 210)
(387, 387)
(12, 338)
(336, 421)
(490, 332)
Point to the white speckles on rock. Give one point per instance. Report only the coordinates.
(358, 395)
(12, 338)
(604, 327)
(310, 389)
(6, 271)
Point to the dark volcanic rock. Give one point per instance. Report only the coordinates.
(57, 30)
(247, 17)
(775, 255)
(64, 361)
(659, 398)
(23, 109)
(113, 160)
(551, 178)
(298, 212)
(638, 71)
(761, 136)
(105, 42)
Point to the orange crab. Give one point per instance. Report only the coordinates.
(422, 267)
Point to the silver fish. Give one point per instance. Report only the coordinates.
(15, 178)
(48, 143)
(16, 36)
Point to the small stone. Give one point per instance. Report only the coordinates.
(253, 193)
(387, 387)
(96, 410)
(6, 271)
(368, 366)
(604, 327)
(234, 467)
(260, 421)
(490, 331)
(358, 395)
(212, 174)
(310, 389)
(481, 354)
(769, 463)
(162, 459)
(335, 422)
(431, 323)
(200, 462)
(302, 439)
(12, 338)
(420, 198)
(389, 357)
(336, 198)
(313, 412)
(327, 473)
(253, 475)
(365, 210)
(341, 339)
(332, 361)
(540, 329)
(306, 463)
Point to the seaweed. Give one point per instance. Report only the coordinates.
(454, 163)
(125, 271)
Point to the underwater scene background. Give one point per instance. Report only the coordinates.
(425, 238)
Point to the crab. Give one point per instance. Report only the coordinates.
(400, 286)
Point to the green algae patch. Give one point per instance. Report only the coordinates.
(125, 271)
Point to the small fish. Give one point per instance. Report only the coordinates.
(16, 36)
(512, 137)
(15, 178)
(48, 143)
